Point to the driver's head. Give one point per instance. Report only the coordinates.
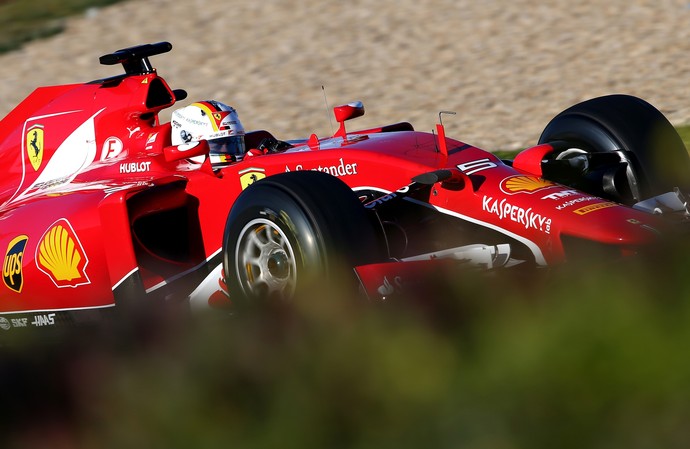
(214, 122)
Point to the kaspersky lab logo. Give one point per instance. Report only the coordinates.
(12, 273)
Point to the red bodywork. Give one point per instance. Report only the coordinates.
(93, 212)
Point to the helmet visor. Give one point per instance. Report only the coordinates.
(226, 149)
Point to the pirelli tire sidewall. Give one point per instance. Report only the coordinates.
(652, 146)
(327, 227)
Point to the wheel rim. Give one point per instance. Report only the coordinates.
(570, 152)
(265, 261)
(575, 153)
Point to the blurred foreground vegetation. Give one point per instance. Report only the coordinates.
(592, 356)
(684, 132)
(22, 21)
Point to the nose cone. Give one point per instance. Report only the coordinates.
(611, 223)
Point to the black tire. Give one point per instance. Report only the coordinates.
(656, 157)
(294, 232)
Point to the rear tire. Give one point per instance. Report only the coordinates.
(295, 232)
(634, 129)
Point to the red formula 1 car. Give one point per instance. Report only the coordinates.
(98, 210)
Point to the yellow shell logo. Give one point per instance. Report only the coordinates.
(61, 256)
(526, 184)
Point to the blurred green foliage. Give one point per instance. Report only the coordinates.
(592, 356)
(589, 356)
(684, 132)
(22, 21)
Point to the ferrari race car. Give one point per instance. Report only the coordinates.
(100, 211)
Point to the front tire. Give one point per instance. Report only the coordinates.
(644, 140)
(295, 232)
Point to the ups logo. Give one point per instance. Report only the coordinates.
(12, 273)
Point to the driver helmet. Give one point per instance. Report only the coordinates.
(215, 122)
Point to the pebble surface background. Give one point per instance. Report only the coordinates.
(505, 66)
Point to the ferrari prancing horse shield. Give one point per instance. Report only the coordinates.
(250, 176)
(34, 146)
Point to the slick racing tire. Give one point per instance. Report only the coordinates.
(293, 233)
(655, 158)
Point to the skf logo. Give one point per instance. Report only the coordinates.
(250, 176)
(34, 145)
(60, 255)
(524, 184)
(12, 266)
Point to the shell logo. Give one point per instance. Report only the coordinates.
(59, 254)
(524, 184)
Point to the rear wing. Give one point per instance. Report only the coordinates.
(135, 60)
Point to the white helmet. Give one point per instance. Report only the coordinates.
(214, 122)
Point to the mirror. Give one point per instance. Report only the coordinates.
(186, 151)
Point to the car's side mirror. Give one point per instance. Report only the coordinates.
(186, 150)
(347, 112)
